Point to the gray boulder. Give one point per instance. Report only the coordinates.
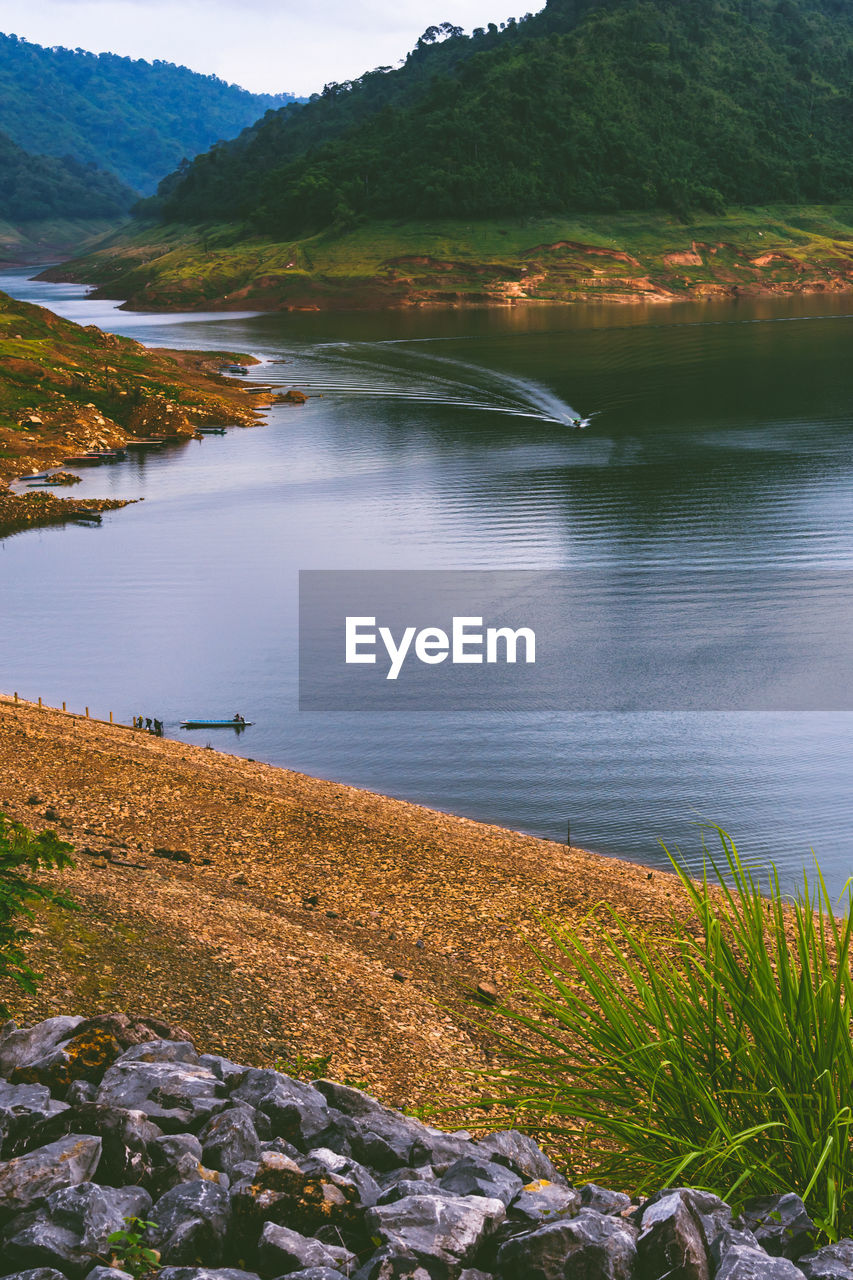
(431, 1226)
(347, 1099)
(780, 1224)
(602, 1200)
(730, 1237)
(712, 1214)
(589, 1247)
(441, 1150)
(280, 1191)
(518, 1151)
(205, 1273)
(35, 1273)
(72, 1227)
(392, 1263)
(32, 1177)
(108, 1273)
(170, 1148)
(833, 1262)
(125, 1136)
(162, 1051)
(296, 1112)
(176, 1095)
(192, 1222)
(391, 1177)
(230, 1138)
(316, 1273)
(21, 1106)
(470, 1177)
(281, 1250)
(177, 1158)
(744, 1263)
(381, 1141)
(541, 1202)
(223, 1068)
(671, 1242)
(25, 1047)
(321, 1162)
(81, 1091)
(535, 1205)
(413, 1187)
(379, 1137)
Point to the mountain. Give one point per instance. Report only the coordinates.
(589, 105)
(36, 188)
(135, 118)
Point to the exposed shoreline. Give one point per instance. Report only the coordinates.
(627, 259)
(273, 913)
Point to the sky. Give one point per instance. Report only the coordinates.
(268, 46)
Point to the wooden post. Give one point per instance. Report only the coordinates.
(111, 717)
(569, 834)
(39, 701)
(87, 713)
(16, 697)
(63, 706)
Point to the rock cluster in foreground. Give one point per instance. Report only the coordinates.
(249, 1174)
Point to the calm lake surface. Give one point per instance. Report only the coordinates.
(723, 438)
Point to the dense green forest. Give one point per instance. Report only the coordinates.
(41, 187)
(136, 118)
(589, 105)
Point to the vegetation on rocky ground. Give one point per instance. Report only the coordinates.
(23, 856)
(65, 389)
(619, 257)
(717, 1055)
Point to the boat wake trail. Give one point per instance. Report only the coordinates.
(371, 370)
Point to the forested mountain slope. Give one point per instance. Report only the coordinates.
(38, 187)
(136, 118)
(590, 105)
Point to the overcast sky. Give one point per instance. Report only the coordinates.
(269, 46)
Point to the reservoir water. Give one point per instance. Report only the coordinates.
(722, 438)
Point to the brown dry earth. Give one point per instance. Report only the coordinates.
(280, 917)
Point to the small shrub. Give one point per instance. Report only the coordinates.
(302, 1066)
(718, 1056)
(22, 855)
(128, 1253)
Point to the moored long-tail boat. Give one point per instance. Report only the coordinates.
(215, 724)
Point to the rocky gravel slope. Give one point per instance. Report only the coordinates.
(248, 1174)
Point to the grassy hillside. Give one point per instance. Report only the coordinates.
(619, 257)
(37, 188)
(588, 106)
(135, 118)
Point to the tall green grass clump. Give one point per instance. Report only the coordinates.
(717, 1054)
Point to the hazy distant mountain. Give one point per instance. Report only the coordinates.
(36, 187)
(589, 105)
(136, 118)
